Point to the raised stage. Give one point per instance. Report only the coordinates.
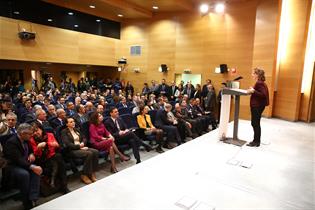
(206, 174)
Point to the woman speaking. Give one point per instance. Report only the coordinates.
(258, 101)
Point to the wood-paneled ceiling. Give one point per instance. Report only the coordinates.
(133, 9)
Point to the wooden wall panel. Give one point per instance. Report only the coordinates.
(55, 45)
(191, 41)
(265, 44)
(287, 100)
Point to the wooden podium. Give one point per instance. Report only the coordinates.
(237, 93)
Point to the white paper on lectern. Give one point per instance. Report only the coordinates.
(224, 115)
(186, 202)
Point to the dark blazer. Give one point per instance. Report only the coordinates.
(197, 94)
(161, 118)
(172, 92)
(164, 88)
(68, 140)
(14, 153)
(192, 91)
(111, 127)
(56, 122)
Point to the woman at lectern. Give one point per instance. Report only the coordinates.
(258, 101)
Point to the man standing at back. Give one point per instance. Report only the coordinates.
(21, 169)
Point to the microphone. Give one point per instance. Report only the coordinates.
(238, 78)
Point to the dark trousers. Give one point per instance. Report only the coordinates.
(134, 142)
(172, 133)
(90, 159)
(56, 167)
(27, 181)
(255, 121)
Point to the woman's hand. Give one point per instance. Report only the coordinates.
(41, 145)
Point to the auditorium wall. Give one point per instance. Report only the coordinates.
(55, 45)
(242, 38)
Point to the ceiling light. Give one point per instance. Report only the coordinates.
(49, 20)
(120, 15)
(70, 13)
(98, 20)
(76, 26)
(155, 7)
(16, 12)
(219, 8)
(204, 8)
(92, 6)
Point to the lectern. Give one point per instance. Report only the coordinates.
(225, 113)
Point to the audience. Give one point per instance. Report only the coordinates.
(45, 149)
(144, 122)
(21, 167)
(73, 140)
(102, 140)
(89, 103)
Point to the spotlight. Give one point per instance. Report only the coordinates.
(70, 13)
(120, 15)
(92, 6)
(155, 7)
(204, 8)
(219, 8)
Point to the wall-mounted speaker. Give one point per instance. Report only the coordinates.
(223, 68)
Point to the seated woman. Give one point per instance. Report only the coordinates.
(144, 122)
(73, 141)
(102, 140)
(45, 148)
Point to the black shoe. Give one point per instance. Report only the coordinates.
(159, 150)
(138, 161)
(252, 144)
(66, 190)
(147, 147)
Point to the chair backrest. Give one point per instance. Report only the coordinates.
(152, 114)
(124, 110)
(58, 135)
(4, 138)
(85, 129)
(127, 118)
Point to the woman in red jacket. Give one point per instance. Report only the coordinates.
(102, 140)
(45, 149)
(258, 101)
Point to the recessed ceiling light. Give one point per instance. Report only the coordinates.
(120, 15)
(49, 20)
(16, 12)
(76, 26)
(98, 20)
(70, 13)
(92, 6)
(219, 8)
(204, 8)
(155, 7)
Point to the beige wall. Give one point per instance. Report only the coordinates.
(203, 43)
(55, 45)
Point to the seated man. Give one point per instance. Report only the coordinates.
(162, 122)
(41, 117)
(60, 120)
(122, 135)
(20, 158)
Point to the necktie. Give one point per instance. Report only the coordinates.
(12, 130)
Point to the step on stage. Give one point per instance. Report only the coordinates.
(207, 174)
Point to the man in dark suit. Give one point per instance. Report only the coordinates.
(189, 90)
(59, 120)
(20, 158)
(41, 117)
(122, 135)
(123, 103)
(173, 89)
(167, 126)
(163, 89)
